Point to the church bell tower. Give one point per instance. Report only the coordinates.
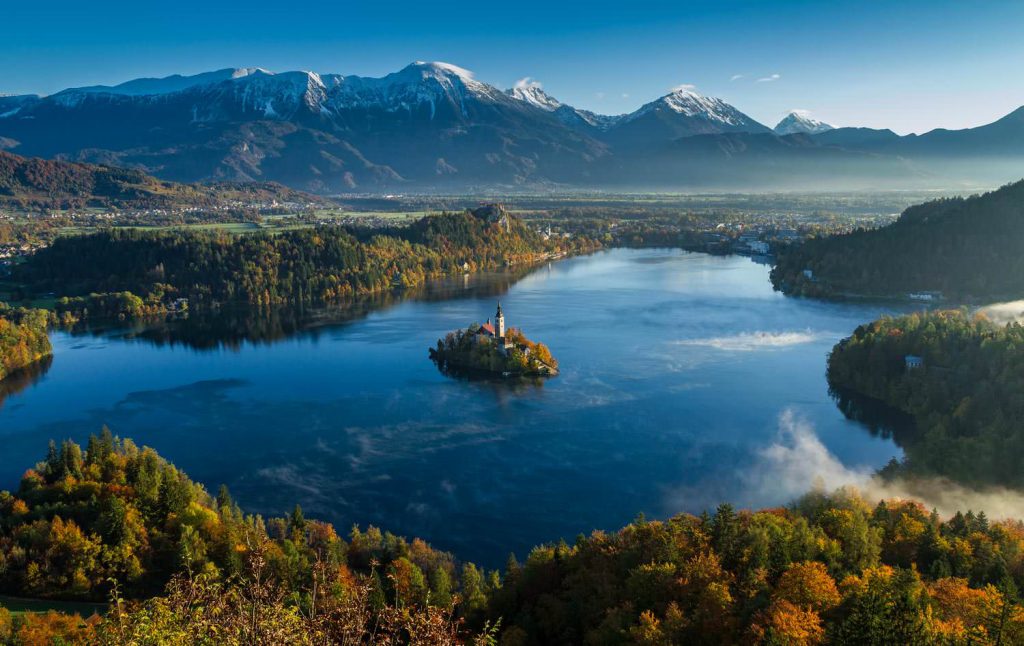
(499, 323)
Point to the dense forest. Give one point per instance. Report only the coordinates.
(23, 338)
(467, 350)
(116, 520)
(305, 266)
(965, 397)
(183, 566)
(40, 183)
(965, 248)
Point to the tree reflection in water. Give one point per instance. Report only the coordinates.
(232, 326)
(880, 419)
(21, 379)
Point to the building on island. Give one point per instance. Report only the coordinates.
(495, 331)
(494, 347)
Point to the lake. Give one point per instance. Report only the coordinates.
(685, 381)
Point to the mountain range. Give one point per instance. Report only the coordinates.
(436, 126)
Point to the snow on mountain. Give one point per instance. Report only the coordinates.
(684, 112)
(277, 95)
(801, 122)
(686, 101)
(419, 84)
(579, 118)
(531, 91)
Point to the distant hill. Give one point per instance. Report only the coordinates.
(40, 183)
(966, 248)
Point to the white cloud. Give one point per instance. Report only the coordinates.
(736, 77)
(769, 79)
(625, 95)
(1003, 313)
(599, 95)
(526, 83)
(685, 87)
(789, 467)
(798, 462)
(750, 341)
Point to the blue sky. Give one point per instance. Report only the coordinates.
(910, 66)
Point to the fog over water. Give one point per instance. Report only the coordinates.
(685, 381)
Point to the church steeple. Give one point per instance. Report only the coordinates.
(499, 322)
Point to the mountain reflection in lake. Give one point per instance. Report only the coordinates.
(675, 369)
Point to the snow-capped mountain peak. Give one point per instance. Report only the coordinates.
(684, 111)
(440, 68)
(445, 74)
(685, 100)
(801, 122)
(432, 85)
(531, 91)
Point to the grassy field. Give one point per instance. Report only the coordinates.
(17, 606)
(277, 223)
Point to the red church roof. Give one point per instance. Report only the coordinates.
(488, 328)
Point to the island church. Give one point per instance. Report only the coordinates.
(495, 331)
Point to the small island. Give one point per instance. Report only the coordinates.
(492, 349)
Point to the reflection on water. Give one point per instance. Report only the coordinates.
(674, 370)
(231, 327)
(876, 416)
(517, 384)
(19, 380)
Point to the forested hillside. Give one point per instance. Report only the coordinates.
(23, 339)
(312, 265)
(965, 397)
(39, 183)
(966, 248)
(116, 518)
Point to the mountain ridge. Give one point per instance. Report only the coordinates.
(40, 183)
(431, 125)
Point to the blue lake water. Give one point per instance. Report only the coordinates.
(685, 381)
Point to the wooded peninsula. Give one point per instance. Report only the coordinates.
(958, 376)
(962, 248)
(127, 271)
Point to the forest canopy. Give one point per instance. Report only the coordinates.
(965, 248)
(23, 338)
(305, 266)
(960, 377)
(180, 564)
